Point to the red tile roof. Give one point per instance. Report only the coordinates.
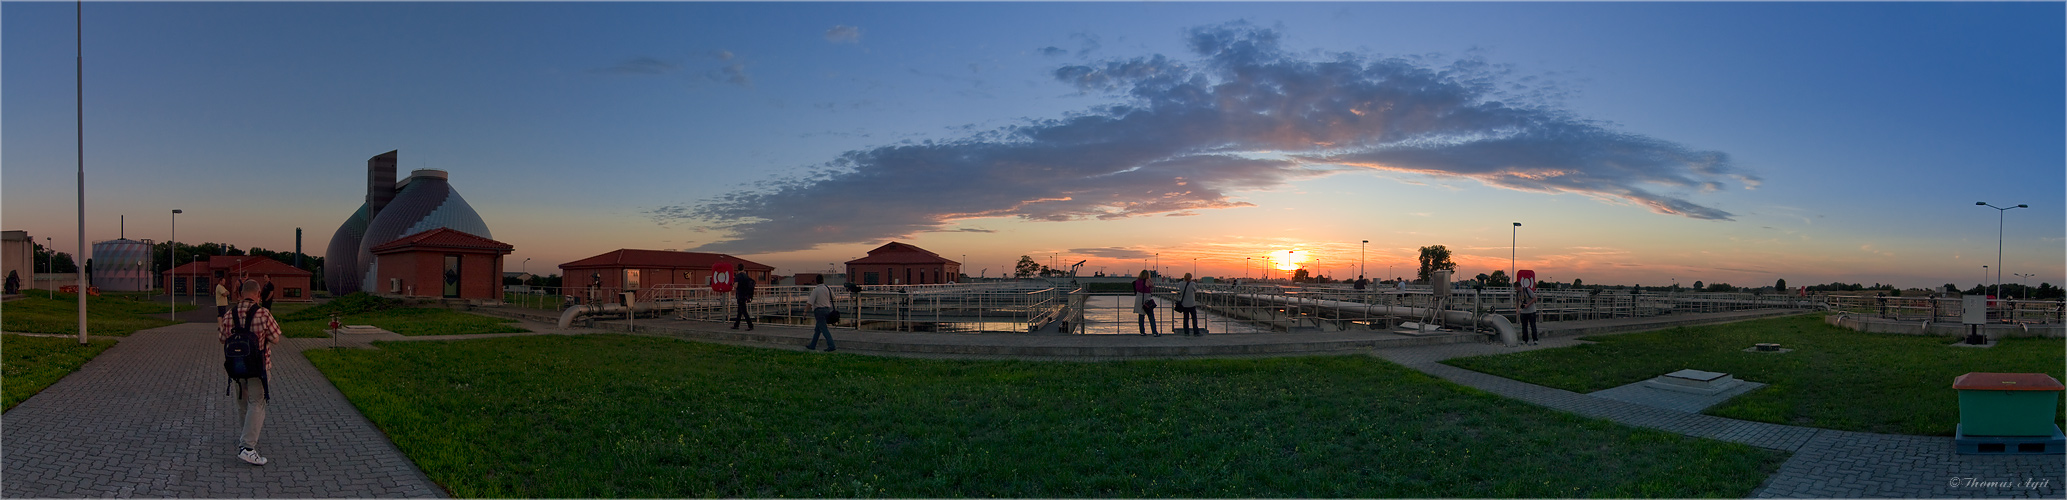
(443, 237)
(634, 258)
(901, 253)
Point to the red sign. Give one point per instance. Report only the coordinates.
(721, 277)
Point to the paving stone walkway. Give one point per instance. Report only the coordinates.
(148, 418)
(1826, 463)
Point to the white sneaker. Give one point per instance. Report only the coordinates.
(250, 456)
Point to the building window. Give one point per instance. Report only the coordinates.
(201, 285)
(179, 286)
(871, 278)
(293, 293)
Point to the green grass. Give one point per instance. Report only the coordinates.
(33, 363)
(631, 416)
(1835, 378)
(407, 321)
(529, 301)
(105, 315)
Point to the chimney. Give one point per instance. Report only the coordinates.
(297, 248)
(380, 182)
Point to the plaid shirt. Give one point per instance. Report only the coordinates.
(262, 324)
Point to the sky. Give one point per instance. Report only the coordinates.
(1636, 143)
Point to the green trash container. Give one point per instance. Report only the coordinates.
(2007, 404)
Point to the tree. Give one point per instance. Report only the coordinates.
(1576, 283)
(1434, 258)
(46, 262)
(1498, 278)
(1483, 278)
(1780, 285)
(1300, 276)
(1698, 286)
(1951, 288)
(1026, 267)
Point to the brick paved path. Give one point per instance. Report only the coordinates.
(1826, 463)
(148, 418)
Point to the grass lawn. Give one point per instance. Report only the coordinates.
(1836, 378)
(33, 363)
(631, 416)
(391, 315)
(105, 315)
(407, 321)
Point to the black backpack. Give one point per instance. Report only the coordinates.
(243, 356)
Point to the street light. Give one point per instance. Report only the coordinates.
(1360, 268)
(49, 265)
(172, 247)
(1245, 267)
(1984, 278)
(2025, 281)
(1999, 211)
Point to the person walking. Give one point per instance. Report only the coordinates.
(1145, 306)
(1188, 305)
(251, 401)
(222, 299)
(743, 290)
(1526, 299)
(821, 303)
(265, 293)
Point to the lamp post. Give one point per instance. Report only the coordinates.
(1984, 279)
(172, 247)
(1999, 211)
(49, 265)
(1360, 268)
(1194, 266)
(1245, 267)
(2025, 280)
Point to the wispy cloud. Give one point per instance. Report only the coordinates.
(843, 34)
(1185, 134)
(641, 66)
(1112, 253)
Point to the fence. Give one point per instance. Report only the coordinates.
(1059, 306)
(1946, 308)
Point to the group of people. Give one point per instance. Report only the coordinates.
(1145, 306)
(820, 301)
(251, 315)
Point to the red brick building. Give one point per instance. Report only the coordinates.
(443, 262)
(199, 277)
(631, 269)
(903, 264)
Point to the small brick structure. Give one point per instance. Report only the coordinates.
(898, 263)
(198, 278)
(441, 263)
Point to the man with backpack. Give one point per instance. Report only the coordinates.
(743, 289)
(248, 334)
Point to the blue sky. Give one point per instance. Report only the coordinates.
(1811, 142)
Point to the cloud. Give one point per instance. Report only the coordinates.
(843, 34)
(1112, 253)
(640, 66)
(734, 73)
(1053, 51)
(1184, 135)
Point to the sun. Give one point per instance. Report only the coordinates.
(1288, 260)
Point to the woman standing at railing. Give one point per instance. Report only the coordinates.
(1144, 307)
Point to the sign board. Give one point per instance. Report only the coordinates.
(721, 277)
(1973, 309)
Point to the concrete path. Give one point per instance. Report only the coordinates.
(148, 418)
(1826, 463)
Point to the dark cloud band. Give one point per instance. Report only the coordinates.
(1186, 134)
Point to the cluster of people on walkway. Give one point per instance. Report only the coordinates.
(248, 326)
(1145, 306)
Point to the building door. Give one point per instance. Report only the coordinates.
(452, 276)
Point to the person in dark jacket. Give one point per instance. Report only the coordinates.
(743, 290)
(265, 293)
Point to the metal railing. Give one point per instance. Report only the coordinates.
(1058, 306)
(1945, 308)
